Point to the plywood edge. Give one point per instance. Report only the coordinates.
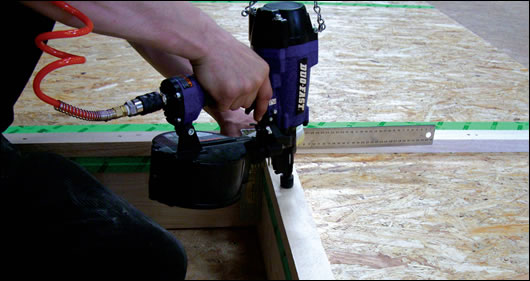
(115, 144)
(273, 253)
(298, 253)
(111, 144)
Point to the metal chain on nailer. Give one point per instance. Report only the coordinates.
(321, 25)
(249, 9)
(320, 20)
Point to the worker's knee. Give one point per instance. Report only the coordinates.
(89, 224)
(175, 263)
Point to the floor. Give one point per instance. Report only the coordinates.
(504, 24)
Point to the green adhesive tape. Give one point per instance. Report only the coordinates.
(277, 233)
(141, 164)
(108, 128)
(134, 164)
(518, 126)
(104, 128)
(328, 3)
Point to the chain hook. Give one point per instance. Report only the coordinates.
(321, 25)
(320, 20)
(249, 9)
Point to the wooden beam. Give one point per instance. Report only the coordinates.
(288, 237)
(298, 253)
(110, 144)
(139, 143)
(133, 187)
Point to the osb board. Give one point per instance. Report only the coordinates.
(420, 216)
(222, 254)
(375, 64)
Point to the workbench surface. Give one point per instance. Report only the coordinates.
(395, 216)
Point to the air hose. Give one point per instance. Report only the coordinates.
(140, 105)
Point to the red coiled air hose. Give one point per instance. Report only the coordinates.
(65, 59)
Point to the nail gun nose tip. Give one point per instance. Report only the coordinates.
(287, 181)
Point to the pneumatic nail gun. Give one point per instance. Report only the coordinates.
(206, 170)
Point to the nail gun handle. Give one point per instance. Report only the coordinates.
(185, 98)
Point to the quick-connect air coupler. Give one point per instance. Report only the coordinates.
(145, 104)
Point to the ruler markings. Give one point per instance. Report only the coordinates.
(368, 136)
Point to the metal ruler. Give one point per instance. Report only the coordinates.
(368, 136)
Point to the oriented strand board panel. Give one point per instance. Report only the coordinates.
(420, 216)
(387, 216)
(222, 254)
(375, 64)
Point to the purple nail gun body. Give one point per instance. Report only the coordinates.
(282, 34)
(205, 170)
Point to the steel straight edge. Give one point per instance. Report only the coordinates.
(449, 141)
(116, 144)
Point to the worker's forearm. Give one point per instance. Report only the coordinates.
(233, 74)
(178, 28)
(166, 64)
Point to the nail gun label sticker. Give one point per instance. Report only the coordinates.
(302, 85)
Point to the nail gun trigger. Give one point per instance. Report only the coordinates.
(252, 107)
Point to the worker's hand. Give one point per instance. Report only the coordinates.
(234, 75)
(231, 72)
(232, 121)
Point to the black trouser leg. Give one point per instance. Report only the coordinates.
(59, 221)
